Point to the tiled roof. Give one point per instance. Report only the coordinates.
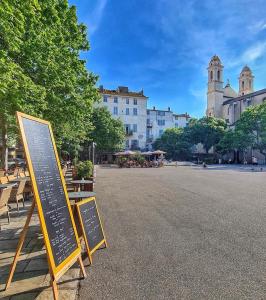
(182, 115)
(240, 98)
(119, 93)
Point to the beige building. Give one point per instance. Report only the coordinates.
(223, 101)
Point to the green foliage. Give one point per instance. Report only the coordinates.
(175, 143)
(139, 159)
(207, 130)
(41, 72)
(108, 133)
(252, 125)
(84, 169)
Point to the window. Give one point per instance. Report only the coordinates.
(160, 132)
(134, 144)
(148, 112)
(105, 98)
(161, 122)
(135, 111)
(127, 100)
(228, 110)
(148, 121)
(115, 110)
(115, 100)
(135, 101)
(248, 102)
(135, 128)
(127, 111)
(250, 84)
(243, 83)
(127, 128)
(211, 75)
(161, 113)
(218, 75)
(127, 144)
(176, 125)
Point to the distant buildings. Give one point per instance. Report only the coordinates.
(142, 126)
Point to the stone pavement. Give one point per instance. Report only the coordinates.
(31, 279)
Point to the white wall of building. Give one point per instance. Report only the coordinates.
(132, 111)
(143, 126)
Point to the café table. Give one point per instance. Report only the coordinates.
(81, 183)
(6, 185)
(21, 179)
(77, 196)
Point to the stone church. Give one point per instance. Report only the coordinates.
(223, 101)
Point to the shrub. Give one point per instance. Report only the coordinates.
(85, 169)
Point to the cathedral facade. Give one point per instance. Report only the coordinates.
(223, 101)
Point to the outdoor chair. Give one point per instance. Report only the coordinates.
(4, 197)
(22, 175)
(17, 193)
(3, 180)
(11, 177)
(2, 173)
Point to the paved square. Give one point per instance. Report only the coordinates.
(180, 233)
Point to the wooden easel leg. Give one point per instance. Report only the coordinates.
(82, 266)
(55, 288)
(20, 244)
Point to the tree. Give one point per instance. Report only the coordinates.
(252, 124)
(207, 130)
(41, 72)
(108, 133)
(175, 143)
(233, 140)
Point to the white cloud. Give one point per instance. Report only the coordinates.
(95, 17)
(257, 27)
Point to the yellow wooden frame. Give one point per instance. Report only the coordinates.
(90, 251)
(59, 270)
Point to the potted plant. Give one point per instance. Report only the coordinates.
(84, 170)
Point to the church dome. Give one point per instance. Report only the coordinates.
(229, 92)
(215, 60)
(246, 69)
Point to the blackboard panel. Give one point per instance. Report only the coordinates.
(53, 200)
(91, 223)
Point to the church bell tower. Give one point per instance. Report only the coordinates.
(215, 88)
(245, 81)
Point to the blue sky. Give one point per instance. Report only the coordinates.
(164, 46)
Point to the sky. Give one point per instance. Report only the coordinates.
(164, 46)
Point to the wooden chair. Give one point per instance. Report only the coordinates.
(27, 174)
(18, 193)
(11, 177)
(2, 173)
(22, 175)
(4, 197)
(3, 180)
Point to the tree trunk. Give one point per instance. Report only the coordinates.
(4, 153)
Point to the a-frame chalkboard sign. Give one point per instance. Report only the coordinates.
(51, 198)
(91, 225)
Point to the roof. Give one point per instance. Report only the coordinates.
(216, 58)
(151, 109)
(246, 69)
(122, 93)
(240, 98)
(186, 115)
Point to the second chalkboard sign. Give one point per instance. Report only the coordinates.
(92, 230)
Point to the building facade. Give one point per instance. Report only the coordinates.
(223, 101)
(131, 108)
(142, 126)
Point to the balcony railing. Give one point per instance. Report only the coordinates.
(129, 133)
